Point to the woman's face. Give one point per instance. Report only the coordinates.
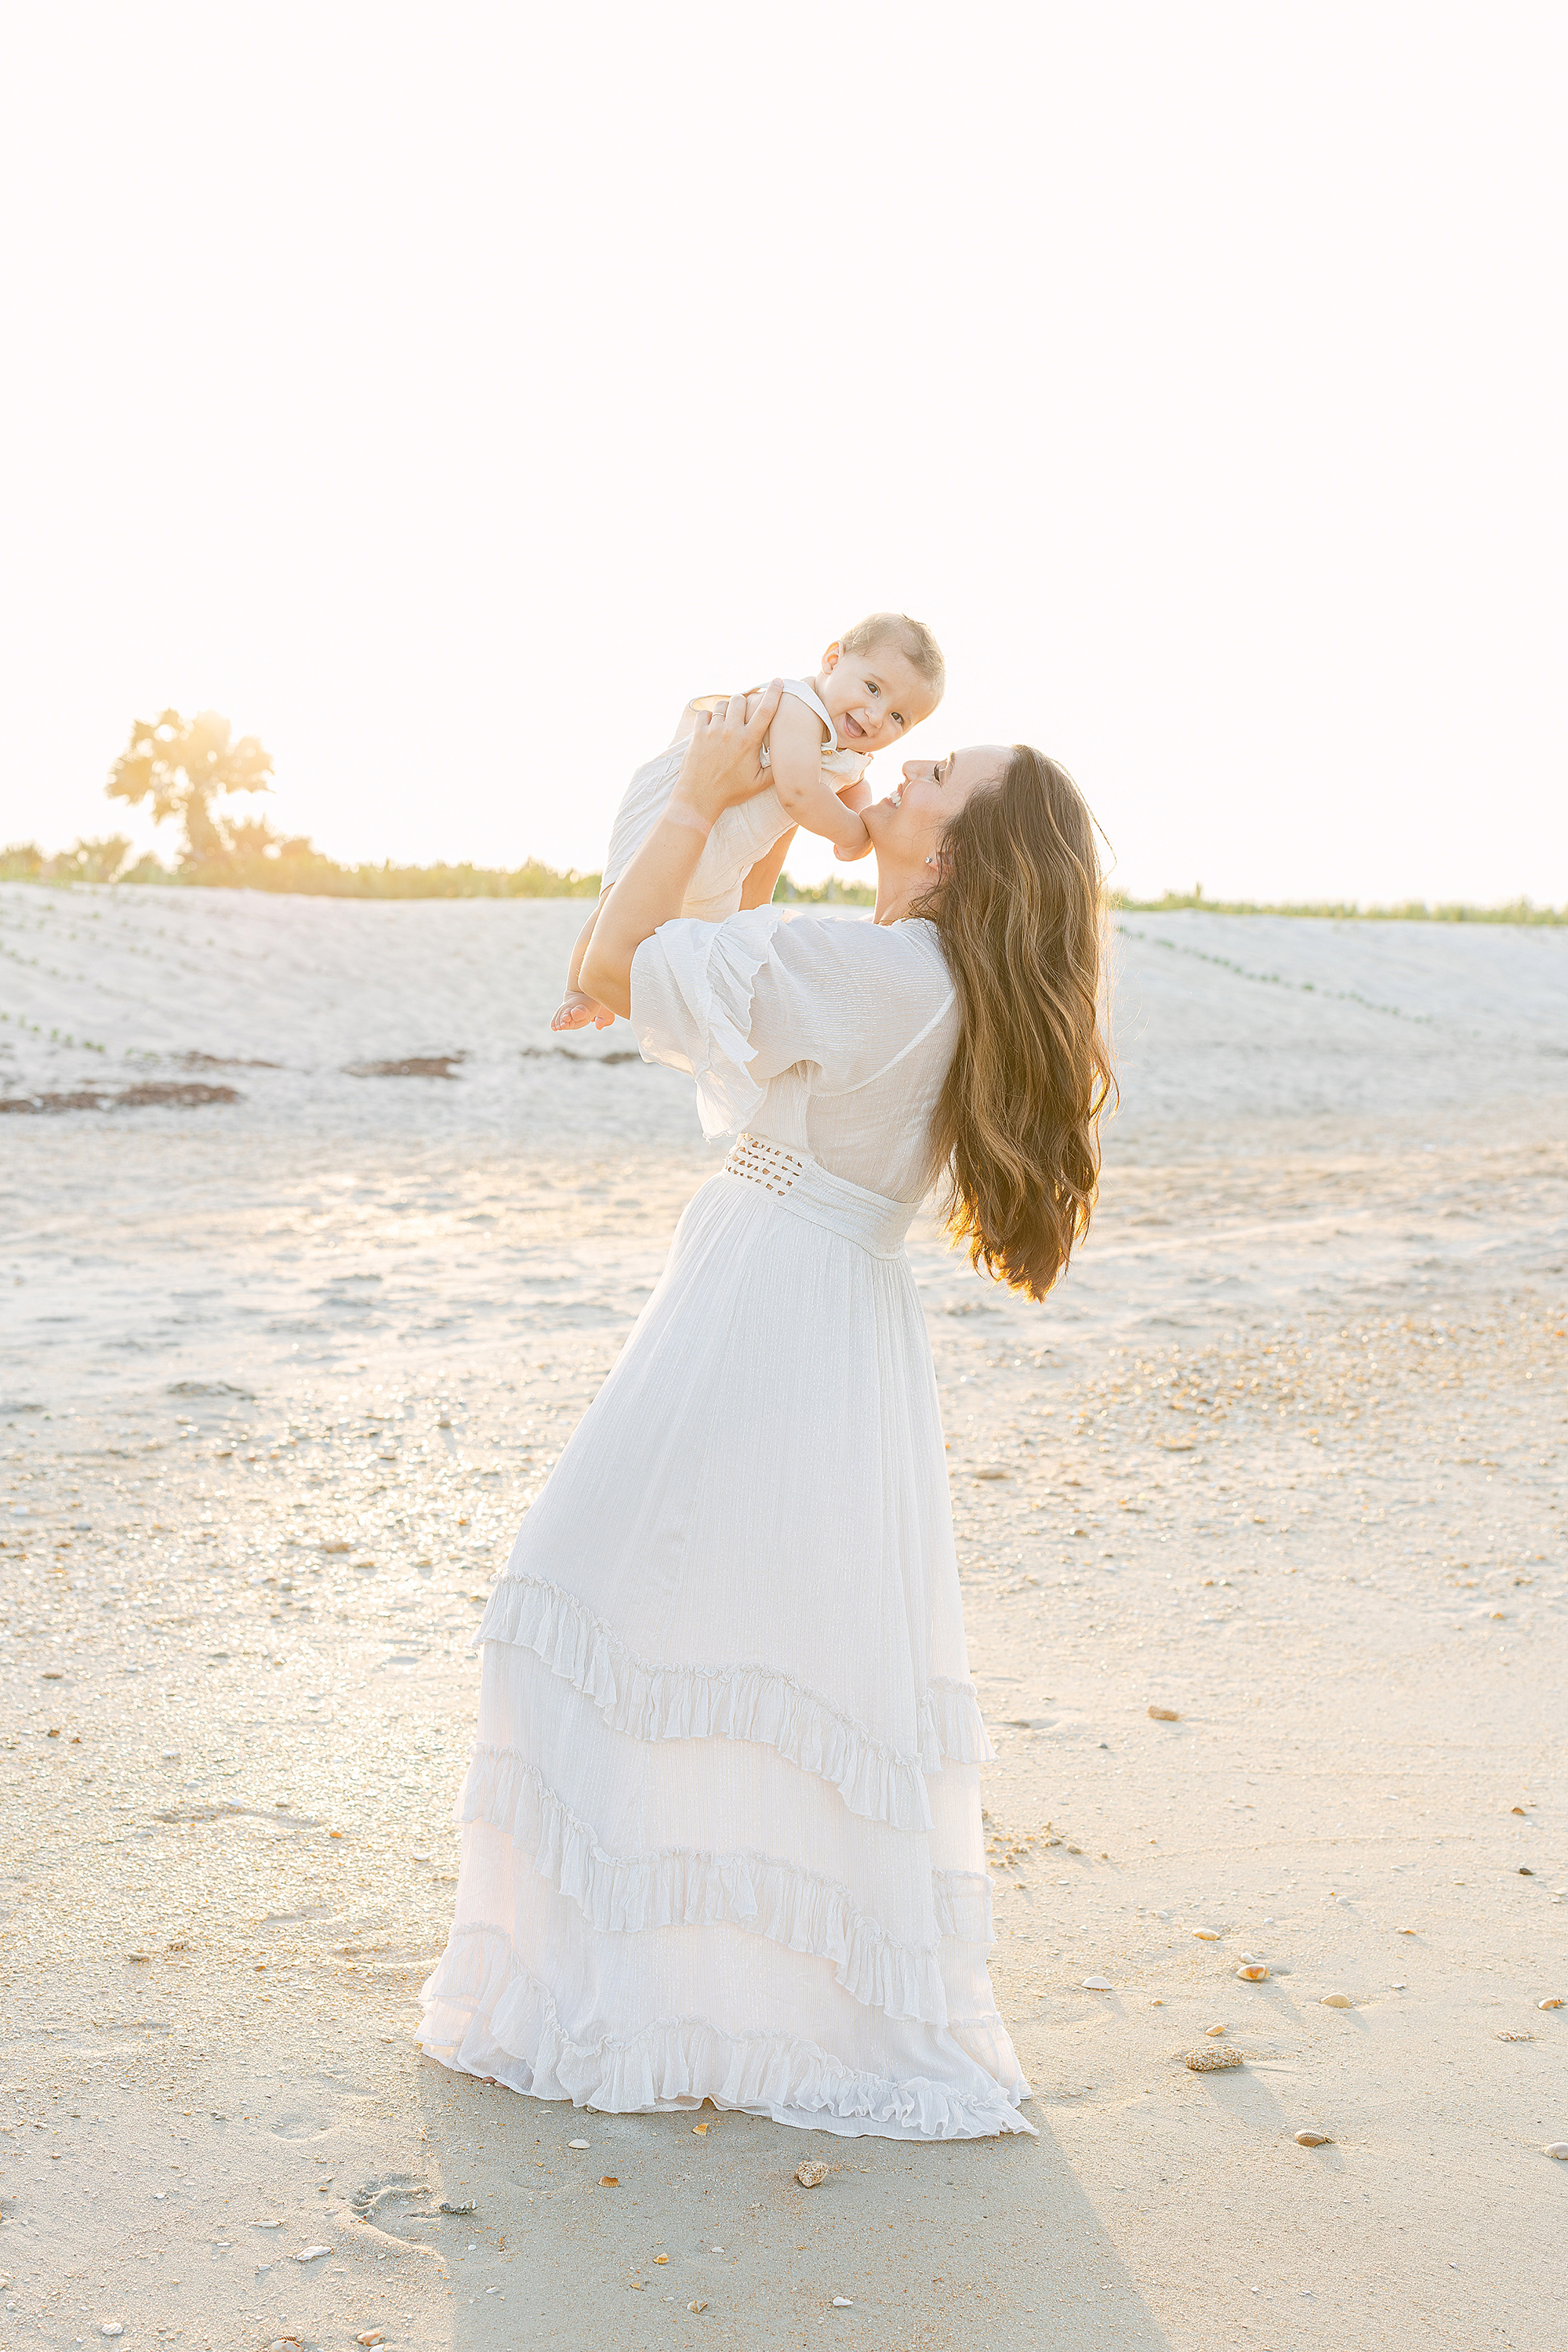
(907, 826)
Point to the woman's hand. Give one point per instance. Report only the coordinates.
(723, 763)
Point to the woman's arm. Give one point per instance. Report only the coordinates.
(721, 767)
(795, 750)
(757, 890)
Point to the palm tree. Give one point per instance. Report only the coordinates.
(182, 766)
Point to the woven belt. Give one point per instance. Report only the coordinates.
(868, 1219)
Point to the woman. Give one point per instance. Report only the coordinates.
(723, 1831)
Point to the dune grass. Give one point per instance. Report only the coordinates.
(299, 868)
(1411, 910)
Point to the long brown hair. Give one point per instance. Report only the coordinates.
(1016, 1135)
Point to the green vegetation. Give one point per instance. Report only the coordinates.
(1412, 911)
(295, 866)
(831, 893)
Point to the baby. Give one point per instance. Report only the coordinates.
(876, 683)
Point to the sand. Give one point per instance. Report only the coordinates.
(1284, 1456)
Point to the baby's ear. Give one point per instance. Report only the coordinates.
(830, 658)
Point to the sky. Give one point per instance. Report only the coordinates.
(444, 394)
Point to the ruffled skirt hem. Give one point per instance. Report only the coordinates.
(485, 2015)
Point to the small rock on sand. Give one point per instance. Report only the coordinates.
(1164, 1714)
(810, 2174)
(1209, 2061)
(117, 2326)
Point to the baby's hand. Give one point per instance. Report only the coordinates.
(576, 1011)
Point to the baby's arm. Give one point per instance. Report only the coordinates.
(575, 1010)
(854, 796)
(795, 747)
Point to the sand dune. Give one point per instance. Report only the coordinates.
(1284, 1456)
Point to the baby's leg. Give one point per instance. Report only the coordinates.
(757, 890)
(576, 1010)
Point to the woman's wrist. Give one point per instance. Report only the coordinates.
(683, 812)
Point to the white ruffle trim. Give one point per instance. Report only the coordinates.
(674, 1887)
(746, 1701)
(711, 967)
(484, 2014)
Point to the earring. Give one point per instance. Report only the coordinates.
(931, 861)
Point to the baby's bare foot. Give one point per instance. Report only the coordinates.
(576, 1011)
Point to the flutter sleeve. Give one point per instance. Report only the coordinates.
(737, 1003)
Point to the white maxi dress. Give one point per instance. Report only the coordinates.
(721, 1833)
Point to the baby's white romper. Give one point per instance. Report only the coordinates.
(741, 836)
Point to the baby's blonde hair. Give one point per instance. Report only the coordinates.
(911, 639)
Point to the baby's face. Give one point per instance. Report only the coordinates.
(875, 697)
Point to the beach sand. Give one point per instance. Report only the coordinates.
(1284, 1456)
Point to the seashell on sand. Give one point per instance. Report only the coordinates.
(1210, 2061)
(1557, 2148)
(1206, 1935)
(1313, 2139)
(1214, 2029)
(1515, 2034)
(1337, 2000)
(1554, 2002)
(810, 2174)
(1098, 1984)
(1254, 1972)
(1164, 1714)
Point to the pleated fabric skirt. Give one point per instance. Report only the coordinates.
(721, 1833)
